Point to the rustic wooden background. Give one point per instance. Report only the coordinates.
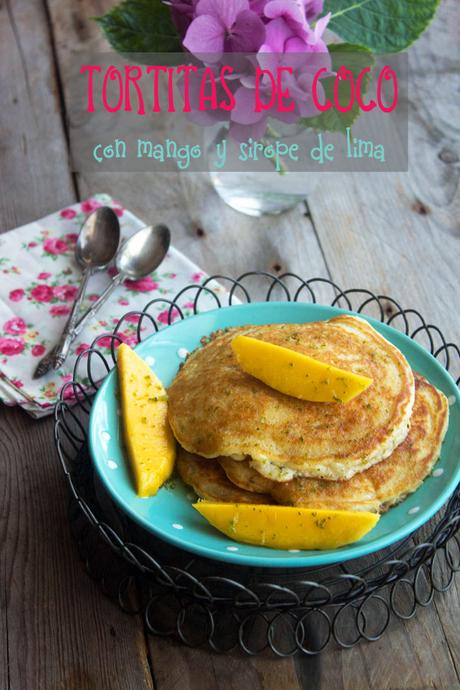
(396, 234)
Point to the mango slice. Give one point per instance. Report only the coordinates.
(295, 374)
(149, 441)
(286, 527)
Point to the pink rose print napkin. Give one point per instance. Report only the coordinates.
(39, 280)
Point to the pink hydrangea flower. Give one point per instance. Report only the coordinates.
(90, 205)
(15, 326)
(42, 293)
(146, 284)
(71, 237)
(68, 213)
(59, 310)
(16, 295)
(44, 275)
(224, 26)
(38, 350)
(10, 347)
(54, 245)
(118, 210)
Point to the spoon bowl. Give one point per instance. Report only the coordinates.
(98, 239)
(143, 252)
(96, 246)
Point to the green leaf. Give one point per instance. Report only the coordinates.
(384, 26)
(355, 58)
(141, 26)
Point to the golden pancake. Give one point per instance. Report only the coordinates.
(245, 476)
(382, 485)
(209, 480)
(216, 409)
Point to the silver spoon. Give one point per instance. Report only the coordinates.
(136, 258)
(96, 246)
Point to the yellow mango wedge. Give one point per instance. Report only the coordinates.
(295, 374)
(148, 438)
(285, 527)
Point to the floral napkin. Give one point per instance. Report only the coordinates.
(39, 281)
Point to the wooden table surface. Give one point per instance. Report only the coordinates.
(395, 234)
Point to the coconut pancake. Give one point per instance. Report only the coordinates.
(216, 409)
(246, 477)
(377, 488)
(209, 480)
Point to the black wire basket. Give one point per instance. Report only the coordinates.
(204, 602)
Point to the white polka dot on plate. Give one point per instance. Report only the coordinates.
(150, 360)
(112, 465)
(105, 436)
(182, 352)
(232, 548)
(438, 472)
(414, 510)
(451, 400)
(176, 525)
(294, 550)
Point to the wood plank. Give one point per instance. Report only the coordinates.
(34, 161)
(397, 234)
(62, 632)
(57, 630)
(189, 669)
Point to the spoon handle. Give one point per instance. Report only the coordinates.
(57, 356)
(62, 349)
(102, 299)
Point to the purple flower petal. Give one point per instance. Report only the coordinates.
(313, 8)
(268, 60)
(258, 6)
(226, 11)
(243, 132)
(320, 25)
(277, 33)
(246, 34)
(182, 12)
(205, 37)
(244, 111)
(292, 11)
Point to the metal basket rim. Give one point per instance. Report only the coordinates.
(144, 565)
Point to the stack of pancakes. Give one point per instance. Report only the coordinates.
(244, 442)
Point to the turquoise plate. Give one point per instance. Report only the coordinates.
(170, 515)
